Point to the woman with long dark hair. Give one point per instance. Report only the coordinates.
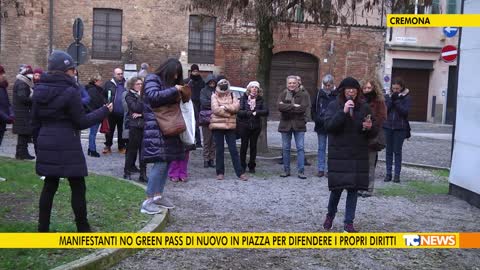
(396, 127)
(349, 124)
(163, 87)
(374, 98)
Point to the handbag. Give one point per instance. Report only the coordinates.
(170, 120)
(377, 143)
(188, 114)
(409, 131)
(204, 117)
(105, 126)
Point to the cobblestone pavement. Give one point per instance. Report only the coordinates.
(268, 203)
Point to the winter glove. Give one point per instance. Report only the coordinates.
(186, 93)
(394, 96)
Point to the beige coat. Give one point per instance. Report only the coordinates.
(224, 111)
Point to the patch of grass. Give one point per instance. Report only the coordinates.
(112, 205)
(442, 173)
(415, 188)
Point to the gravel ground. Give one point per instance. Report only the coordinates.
(268, 203)
(418, 149)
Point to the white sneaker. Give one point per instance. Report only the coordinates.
(148, 207)
(42, 178)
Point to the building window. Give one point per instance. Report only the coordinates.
(201, 40)
(417, 7)
(107, 34)
(452, 7)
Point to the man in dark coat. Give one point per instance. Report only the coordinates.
(196, 83)
(113, 93)
(325, 95)
(58, 118)
(349, 126)
(6, 111)
(292, 104)
(22, 106)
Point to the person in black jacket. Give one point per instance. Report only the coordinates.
(22, 106)
(325, 95)
(135, 128)
(113, 91)
(349, 125)
(6, 111)
(196, 83)
(396, 127)
(252, 107)
(58, 118)
(97, 100)
(205, 115)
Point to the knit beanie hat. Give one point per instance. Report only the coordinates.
(253, 84)
(38, 70)
(60, 61)
(223, 86)
(194, 67)
(25, 69)
(349, 82)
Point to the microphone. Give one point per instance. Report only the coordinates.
(351, 108)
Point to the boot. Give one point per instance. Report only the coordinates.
(396, 179)
(143, 174)
(83, 227)
(211, 163)
(388, 178)
(127, 175)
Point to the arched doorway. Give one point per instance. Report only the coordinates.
(291, 63)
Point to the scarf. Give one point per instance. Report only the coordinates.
(252, 100)
(27, 81)
(370, 96)
(289, 95)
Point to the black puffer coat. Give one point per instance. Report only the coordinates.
(22, 106)
(58, 118)
(347, 146)
(134, 105)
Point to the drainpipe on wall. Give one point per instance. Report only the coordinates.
(50, 27)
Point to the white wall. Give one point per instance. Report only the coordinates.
(466, 155)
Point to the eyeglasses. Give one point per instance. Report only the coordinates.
(139, 83)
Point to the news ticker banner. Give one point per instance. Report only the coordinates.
(435, 20)
(240, 240)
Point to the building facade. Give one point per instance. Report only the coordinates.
(414, 55)
(117, 33)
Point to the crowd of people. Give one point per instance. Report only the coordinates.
(353, 121)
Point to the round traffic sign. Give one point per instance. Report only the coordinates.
(450, 31)
(449, 53)
(78, 52)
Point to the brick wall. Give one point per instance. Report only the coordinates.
(24, 36)
(159, 29)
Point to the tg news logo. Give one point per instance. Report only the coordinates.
(433, 240)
